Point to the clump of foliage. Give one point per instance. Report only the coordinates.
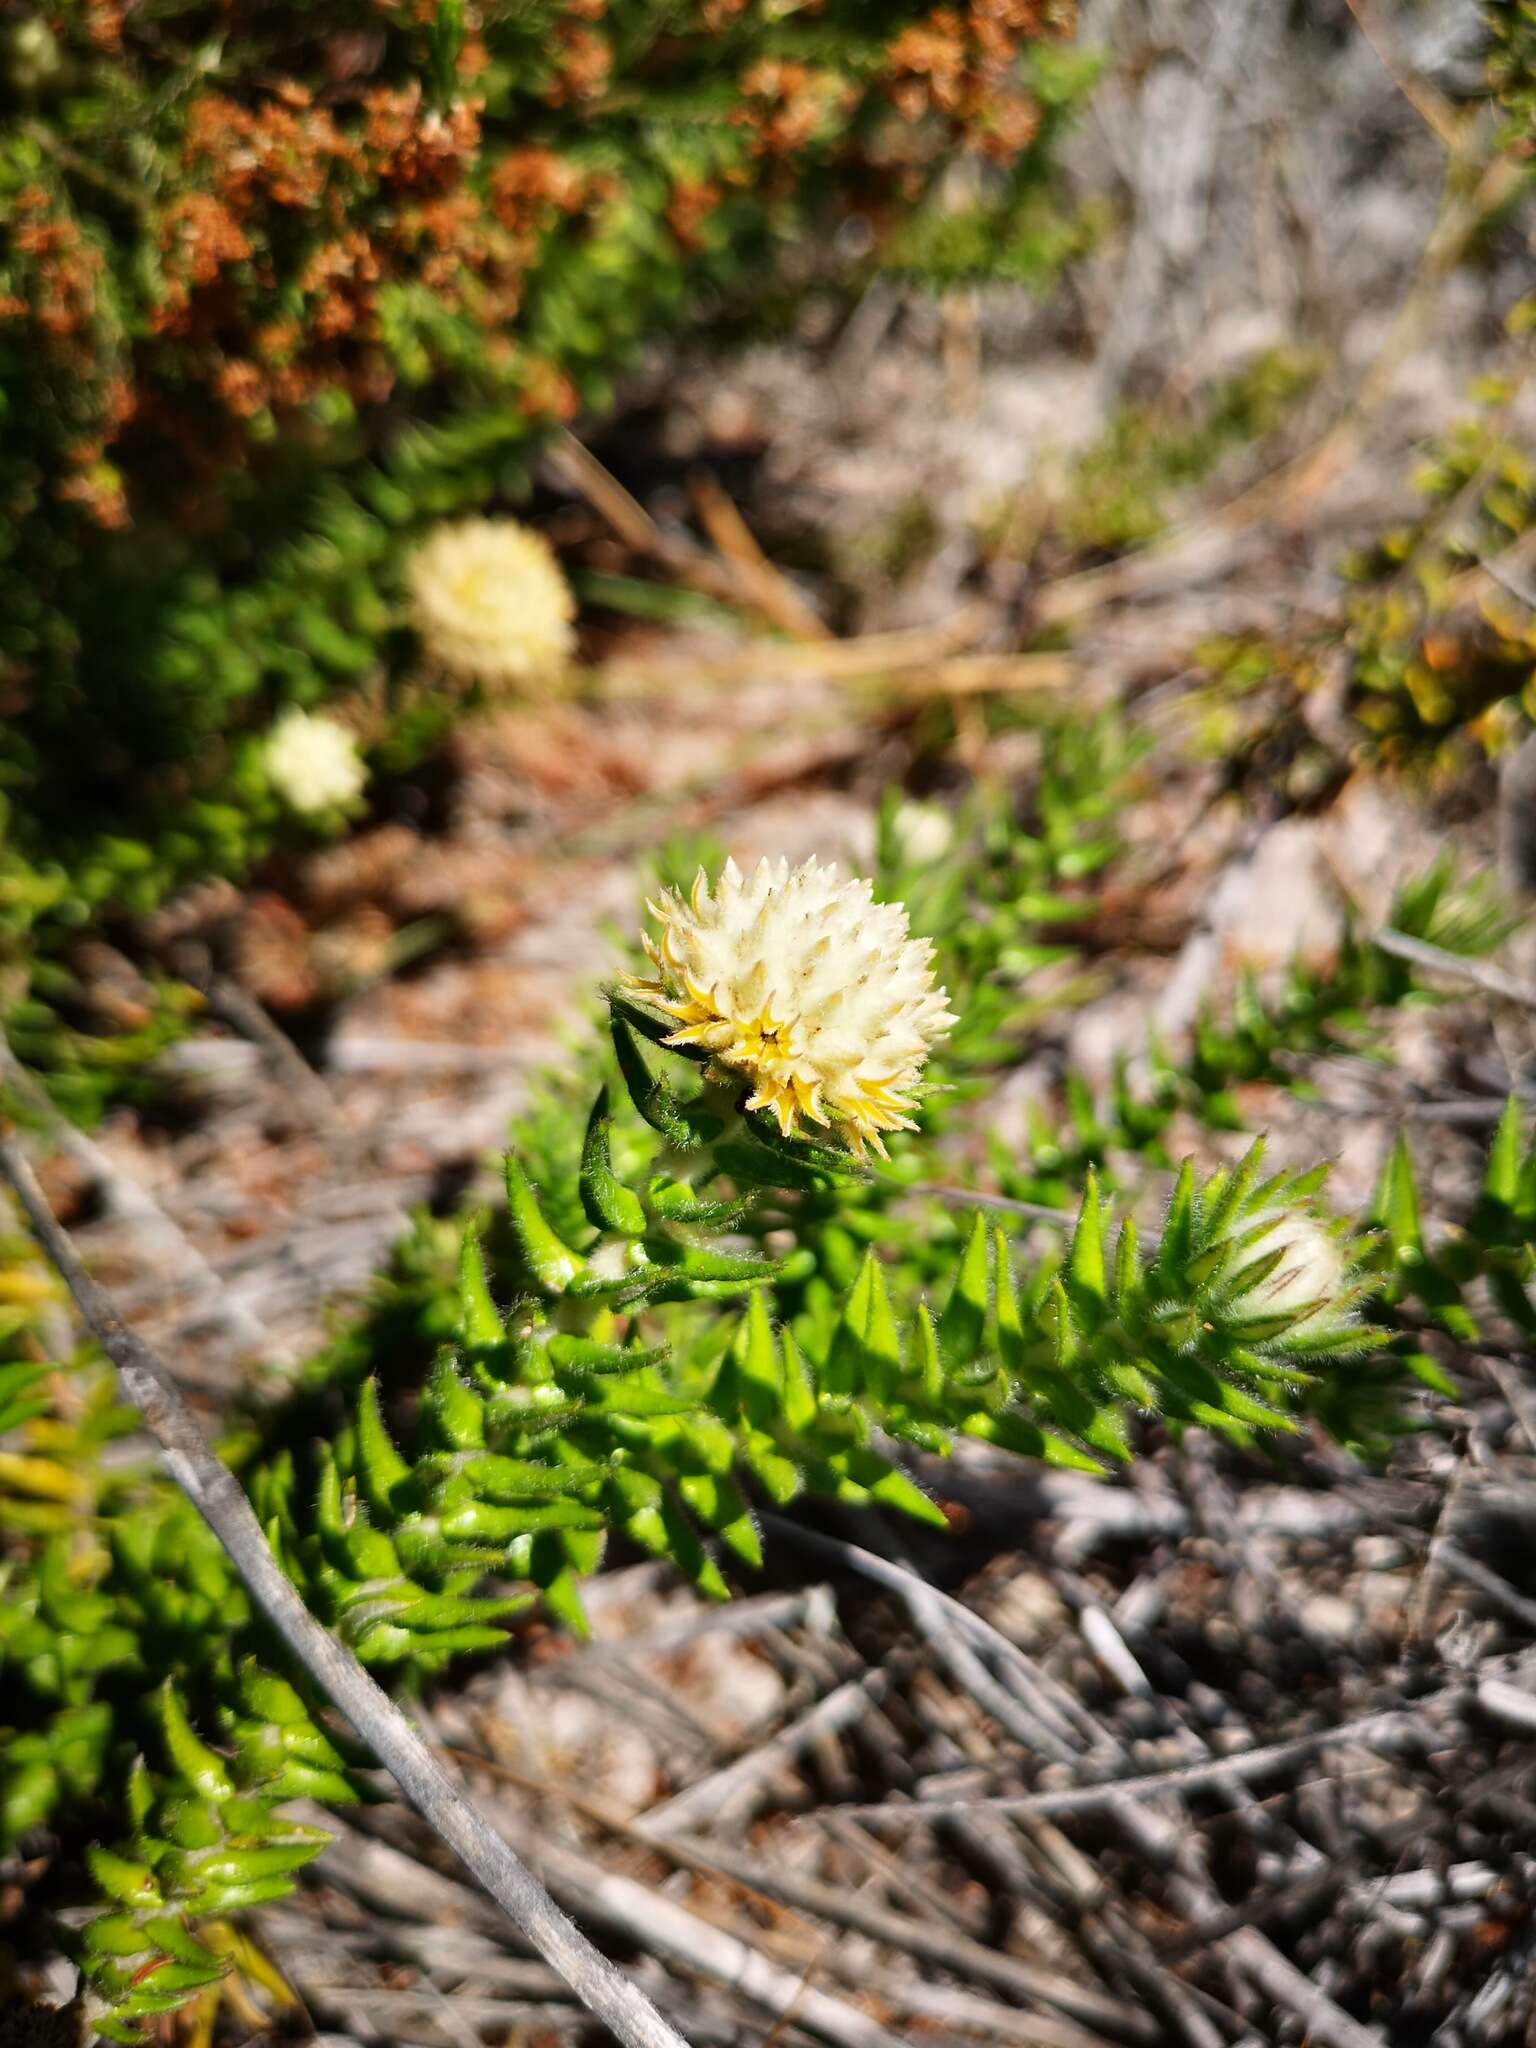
(1259, 1037)
(1442, 632)
(1004, 883)
(1512, 67)
(1444, 628)
(1008, 884)
(1125, 486)
(281, 289)
(680, 1314)
(999, 218)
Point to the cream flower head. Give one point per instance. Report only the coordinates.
(489, 601)
(923, 832)
(313, 763)
(817, 994)
(1311, 1272)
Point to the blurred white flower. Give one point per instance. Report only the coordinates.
(313, 763)
(1312, 1270)
(808, 987)
(924, 833)
(490, 602)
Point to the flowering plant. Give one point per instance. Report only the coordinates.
(694, 1309)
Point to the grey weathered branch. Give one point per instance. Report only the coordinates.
(1383, 1730)
(1479, 973)
(219, 1498)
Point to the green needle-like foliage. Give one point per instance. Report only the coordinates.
(119, 1619)
(679, 1318)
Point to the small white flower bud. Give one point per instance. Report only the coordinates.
(313, 763)
(924, 833)
(1311, 1271)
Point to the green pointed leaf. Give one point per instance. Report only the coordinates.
(719, 1506)
(115, 1934)
(865, 1357)
(930, 1365)
(141, 1795)
(1127, 1288)
(701, 1262)
(758, 1363)
(1232, 1191)
(1248, 1013)
(382, 1473)
(608, 1203)
(1299, 1187)
(195, 1762)
(963, 1322)
(1007, 1312)
(800, 1403)
(369, 1552)
(1429, 1374)
(1010, 1432)
(269, 1697)
(649, 1093)
(843, 1371)
(510, 1480)
(1086, 1278)
(483, 1522)
(479, 1324)
(893, 1489)
(451, 1409)
(173, 1936)
(27, 1797)
(553, 1264)
(831, 1160)
(860, 1476)
(1396, 1206)
(640, 1395)
(388, 1643)
(650, 1517)
(171, 1983)
(1132, 1383)
(1080, 1110)
(442, 1613)
(1064, 1330)
(584, 1355)
(779, 1477)
(562, 1596)
(678, 1202)
(1177, 1244)
(755, 1166)
(129, 1883)
(1501, 1181)
(1525, 1192)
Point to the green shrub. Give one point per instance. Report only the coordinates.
(679, 1315)
(1440, 630)
(281, 288)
